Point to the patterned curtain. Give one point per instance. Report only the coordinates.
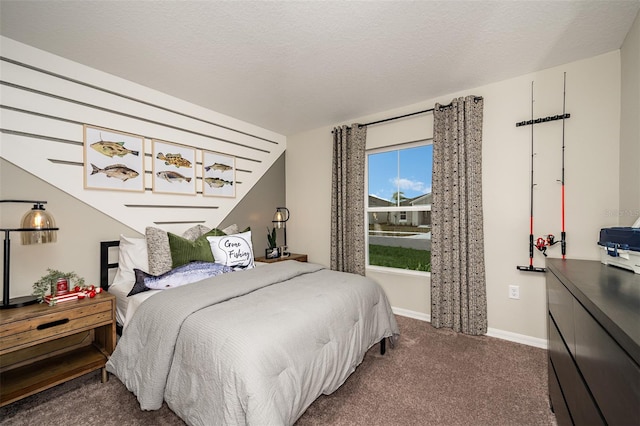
(458, 289)
(347, 199)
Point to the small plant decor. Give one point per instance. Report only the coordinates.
(271, 237)
(272, 252)
(47, 282)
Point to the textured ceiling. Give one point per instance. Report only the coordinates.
(295, 66)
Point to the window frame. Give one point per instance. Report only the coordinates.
(399, 209)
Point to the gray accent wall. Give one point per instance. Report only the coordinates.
(257, 207)
(82, 227)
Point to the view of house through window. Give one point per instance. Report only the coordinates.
(399, 207)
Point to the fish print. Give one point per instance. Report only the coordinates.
(174, 159)
(219, 167)
(217, 182)
(185, 274)
(118, 171)
(112, 148)
(171, 177)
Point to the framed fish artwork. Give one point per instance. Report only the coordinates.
(173, 168)
(218, 175)
(113, 160)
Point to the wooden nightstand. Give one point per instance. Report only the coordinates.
(42, 346)
(292, 256)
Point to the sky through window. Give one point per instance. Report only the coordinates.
(406, 170)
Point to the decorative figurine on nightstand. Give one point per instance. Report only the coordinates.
(59, 286)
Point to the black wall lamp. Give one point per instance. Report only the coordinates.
(37, 227)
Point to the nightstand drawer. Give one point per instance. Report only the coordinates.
(51, 326)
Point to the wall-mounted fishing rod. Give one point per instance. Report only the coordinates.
(531, 268)
(542, 243)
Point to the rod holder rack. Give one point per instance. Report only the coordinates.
(543, 120)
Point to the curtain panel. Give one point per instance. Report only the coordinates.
(458, 288)
(347, 199)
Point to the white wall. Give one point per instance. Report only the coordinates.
(88, 216)
(592, 182)
(630, 127)
(173, 120)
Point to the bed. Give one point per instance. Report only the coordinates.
(254, 346)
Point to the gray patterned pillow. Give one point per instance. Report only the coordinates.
(159, 250)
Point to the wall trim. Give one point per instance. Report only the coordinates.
(491, 332)
(517, 338)
(411, 314)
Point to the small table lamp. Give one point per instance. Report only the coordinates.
(37, 227)
(279, 221)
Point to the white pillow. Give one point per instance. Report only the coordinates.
(132, 254)
(234, 250)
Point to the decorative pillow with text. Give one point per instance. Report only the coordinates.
(235, 251)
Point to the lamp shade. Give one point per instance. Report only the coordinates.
(279, 219)
(38, 218)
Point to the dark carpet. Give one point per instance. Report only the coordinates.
(432, 377)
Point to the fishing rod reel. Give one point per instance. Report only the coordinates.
(542, 243)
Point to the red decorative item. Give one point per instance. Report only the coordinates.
(92, 294)
(68, 296)
(62, 286)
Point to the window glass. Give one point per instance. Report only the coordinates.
(399, 207)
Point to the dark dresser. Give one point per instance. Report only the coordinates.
(594, 343)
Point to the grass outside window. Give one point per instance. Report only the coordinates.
(400, 257)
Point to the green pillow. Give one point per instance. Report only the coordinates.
(184, 251)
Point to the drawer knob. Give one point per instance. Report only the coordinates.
(52, 324)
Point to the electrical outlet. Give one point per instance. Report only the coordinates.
(514, 292)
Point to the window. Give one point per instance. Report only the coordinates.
(398, 211)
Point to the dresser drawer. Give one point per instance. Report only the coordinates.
(60, 322)
(561, 308)
(576, 394)
(614, 378)
(556, 398)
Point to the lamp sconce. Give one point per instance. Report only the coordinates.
(37, 227)
(279, 221)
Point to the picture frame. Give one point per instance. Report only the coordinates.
(272, 253)
(174, 168)
(113, 160)
(218, 175)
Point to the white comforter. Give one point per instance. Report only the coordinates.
(253, 347)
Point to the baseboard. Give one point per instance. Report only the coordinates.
(491, 332)
(518, 338)
(411, 314)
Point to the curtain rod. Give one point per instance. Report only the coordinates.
(393, 118)
(476, 98)
(398, 117)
